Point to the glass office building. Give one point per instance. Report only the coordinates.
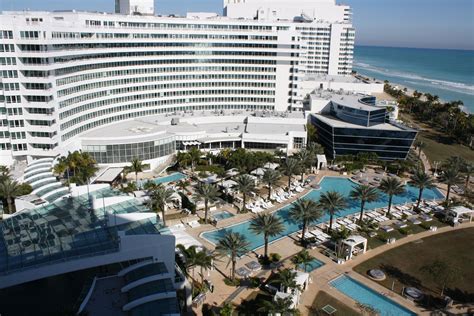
(350, 126)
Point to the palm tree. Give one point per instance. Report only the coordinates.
(208, 193)
(279, 306)
(270, 177)
(190, 258)
(302, 258)
(306, 158)
(333, 202)
(338, 236)
(450, 177)
(204, 260)
(245, 184)
(391, 186)
(364, 194)
(467, 169)
(269, 225)
(232, 245)
(136, 166)
(291, 167)
(194, 156)
(159, 196)
(421, 180)
(9, 189)
(420, 145)
(306, 212)
(287, 280)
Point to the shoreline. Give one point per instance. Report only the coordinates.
(409, 91)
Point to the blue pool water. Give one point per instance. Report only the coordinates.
(312, 265)
(365, 295)
(218, 216)
(341, 185)
(171, 178)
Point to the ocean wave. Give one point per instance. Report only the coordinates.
(442, 84)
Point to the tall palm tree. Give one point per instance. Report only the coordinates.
(364, 194)
(332, 202)
(207, 193)
(245, 184)
(9, 189)
(270, 177)
(420, 145)
(287, 280)
(450, 177)
(467, 169)
(279, 306)
(267, 224)
(159, 196)
(4, 173)
(204, 261)
(232, 245)
(338, 237)
(391, 186)
(136, 166)
(306, 212)
(190, 258)
(421, 180)
(302, 258)
(305, 158)
(291, 167)
(194, 156)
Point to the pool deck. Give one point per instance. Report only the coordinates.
(286, 247)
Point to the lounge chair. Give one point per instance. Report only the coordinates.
(254, 266)
(194, 224)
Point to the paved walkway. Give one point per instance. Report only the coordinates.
(331, 270)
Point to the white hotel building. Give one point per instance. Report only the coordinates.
(68, 76)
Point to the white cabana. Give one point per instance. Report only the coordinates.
(271, 165)
(456, 214)
(210, 180)
(353, 245)
(228, 184)
(258, 172)
(322, 161)
(232, 172)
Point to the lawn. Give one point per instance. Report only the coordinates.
(323, 299)
(402, 265)
(438, 147)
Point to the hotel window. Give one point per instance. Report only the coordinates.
(298, 142)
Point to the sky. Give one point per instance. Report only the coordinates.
(398, 23)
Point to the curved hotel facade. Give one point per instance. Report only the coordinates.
(66, 74)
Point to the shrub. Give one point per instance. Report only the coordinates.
(383, 237)
(229, 282)
(404, 231)
(425, 225)
(275, 257)
(186, 203)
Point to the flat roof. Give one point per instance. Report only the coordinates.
(109, 175)
(335, 122)
(216, 124)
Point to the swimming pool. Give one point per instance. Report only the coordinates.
(311, 266)
(174, 177)
(218, 216)
(341, 185)
(365, 295)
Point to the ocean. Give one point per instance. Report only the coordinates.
(448, 74)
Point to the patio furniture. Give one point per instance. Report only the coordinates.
(243, 272)
(254, 266)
